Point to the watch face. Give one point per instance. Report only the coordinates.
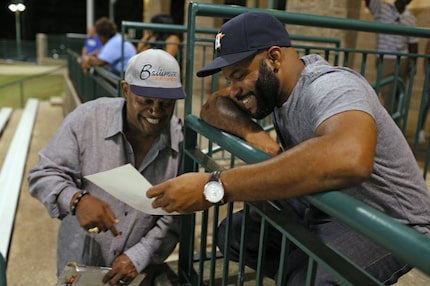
(214, 192)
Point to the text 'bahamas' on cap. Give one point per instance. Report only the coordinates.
(243, 36)
(154, 73)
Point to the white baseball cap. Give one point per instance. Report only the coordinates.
(154, 73)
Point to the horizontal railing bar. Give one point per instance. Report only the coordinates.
(357, 51)
(381, 228)
(214, 10)
(183, 29)
(165, 27)
(377, 226)
(229, 142)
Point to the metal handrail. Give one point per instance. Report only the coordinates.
(366, 220)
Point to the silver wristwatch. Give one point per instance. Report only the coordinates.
(214, 190)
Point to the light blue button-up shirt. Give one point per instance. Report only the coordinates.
(90, 140)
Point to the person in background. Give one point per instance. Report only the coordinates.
(422, 134)
(160, 39)
(335, 135)
(140, 129)
(110, 54)
(395, 13)
(92, 44)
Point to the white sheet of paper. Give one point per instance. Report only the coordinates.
(129, 186)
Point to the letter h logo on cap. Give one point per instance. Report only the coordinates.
(218, 39)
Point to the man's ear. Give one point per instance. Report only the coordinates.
(274, 54)
(125, 89)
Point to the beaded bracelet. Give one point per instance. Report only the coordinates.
(76, 202)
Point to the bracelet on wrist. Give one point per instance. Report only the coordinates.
(76, 201)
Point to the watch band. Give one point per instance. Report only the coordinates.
(216, 176)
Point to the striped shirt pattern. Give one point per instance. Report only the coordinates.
(387, 13)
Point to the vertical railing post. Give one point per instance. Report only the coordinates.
(21, 93)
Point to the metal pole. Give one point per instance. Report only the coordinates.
(18, 34)
(112, 10)
(90, 13)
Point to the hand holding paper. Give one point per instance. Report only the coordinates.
(129, 186)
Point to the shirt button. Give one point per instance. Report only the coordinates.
(115, 253)
(126, 213)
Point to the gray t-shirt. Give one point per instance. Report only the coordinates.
(396, 186)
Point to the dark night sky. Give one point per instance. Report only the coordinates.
(62, 16)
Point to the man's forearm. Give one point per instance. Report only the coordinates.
(221, 112)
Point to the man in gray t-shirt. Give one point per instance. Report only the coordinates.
(395, 186)
(335, 135)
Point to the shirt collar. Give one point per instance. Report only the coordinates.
(117, 120)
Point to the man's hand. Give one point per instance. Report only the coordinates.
(262, 140)
(182, 194)
(221, 112)
(92, 212)
(122, 273)
(86, 63)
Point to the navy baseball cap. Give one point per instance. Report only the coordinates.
(243, 36)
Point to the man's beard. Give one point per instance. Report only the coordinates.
(266, 91)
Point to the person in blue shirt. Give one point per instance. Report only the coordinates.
(110, 54)
(92, 44)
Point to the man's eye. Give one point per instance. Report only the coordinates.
(167, 103)
(239, 77)
(146, 102)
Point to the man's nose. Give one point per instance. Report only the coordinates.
(234, 90)
(156, 107)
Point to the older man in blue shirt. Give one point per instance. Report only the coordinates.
(102, 134)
